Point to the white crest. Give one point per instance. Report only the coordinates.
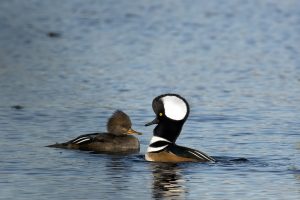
(175, 108)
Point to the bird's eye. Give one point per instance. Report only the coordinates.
(160, 114)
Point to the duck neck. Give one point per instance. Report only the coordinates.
(168, 130)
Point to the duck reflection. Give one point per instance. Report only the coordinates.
(118, 169)
(116, 165)
(296, 170)
(297, 175)
(298, 145)
(167, 181)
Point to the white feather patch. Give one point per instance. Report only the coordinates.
(80, 140)
(154, 149)
(156, 139)
(201, 155)
(83, 140)
(175, 108)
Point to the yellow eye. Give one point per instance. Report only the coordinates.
(160, 114)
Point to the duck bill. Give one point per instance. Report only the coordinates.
(131, 131)
(155, 121)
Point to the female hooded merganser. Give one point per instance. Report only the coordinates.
(171, 112)
(116, 140)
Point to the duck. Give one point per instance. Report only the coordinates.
(118, 138)
(171, 110)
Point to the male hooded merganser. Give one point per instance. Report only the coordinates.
(116, 140)
(171, 112)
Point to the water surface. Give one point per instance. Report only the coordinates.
(65, 67)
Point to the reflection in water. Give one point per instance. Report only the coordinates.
(118, 173)
(167, 181)
(298, 146)
(296, 173)
(295, 169)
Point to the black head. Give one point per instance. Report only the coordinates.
(171, 111)
(120, 124)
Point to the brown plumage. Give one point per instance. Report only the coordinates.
(175, 153)
(117, 139)
(165, 156)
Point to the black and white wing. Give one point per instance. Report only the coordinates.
(189, 153)
(84, 139)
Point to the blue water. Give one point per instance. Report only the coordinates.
(65, 66)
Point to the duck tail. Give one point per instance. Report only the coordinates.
(58, 145)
